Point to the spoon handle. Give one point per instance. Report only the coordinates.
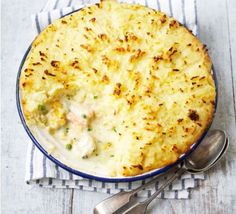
(116, 203)
(141, 207)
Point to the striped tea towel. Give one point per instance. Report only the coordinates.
(43, 172)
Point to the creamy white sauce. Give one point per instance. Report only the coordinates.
(56, 148)
(87, 153)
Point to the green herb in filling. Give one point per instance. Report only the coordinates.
(84, 116)
(89, 129)
(114, 129)
(68, 146)
(42, 109)
(66, 130)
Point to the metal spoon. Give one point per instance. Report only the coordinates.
(207, 153)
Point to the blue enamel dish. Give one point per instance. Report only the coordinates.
(91, 176)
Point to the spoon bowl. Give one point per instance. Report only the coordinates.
(213, 163)
(207, 152)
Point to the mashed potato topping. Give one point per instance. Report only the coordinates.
(120, 89)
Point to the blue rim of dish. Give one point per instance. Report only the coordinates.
(95, 177)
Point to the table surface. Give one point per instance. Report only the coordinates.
(216, 195)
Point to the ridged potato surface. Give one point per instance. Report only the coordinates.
(142, 79)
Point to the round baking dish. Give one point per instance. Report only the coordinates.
(92, 176)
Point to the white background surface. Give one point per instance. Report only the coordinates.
(216, 195)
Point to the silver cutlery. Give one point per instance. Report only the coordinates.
(206, 155)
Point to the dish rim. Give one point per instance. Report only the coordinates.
(97, 177)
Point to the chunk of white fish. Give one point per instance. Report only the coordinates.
(79, 115)
(85, 145)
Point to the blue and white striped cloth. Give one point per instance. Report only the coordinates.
(43, 172)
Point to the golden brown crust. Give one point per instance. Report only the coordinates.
(152, 73)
